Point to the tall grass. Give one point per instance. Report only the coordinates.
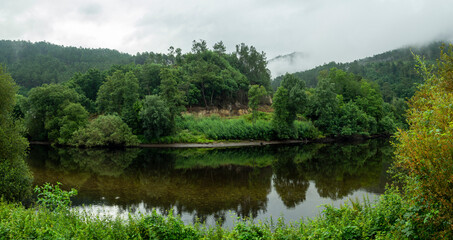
(217, 128)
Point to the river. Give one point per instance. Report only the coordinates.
(217, 184)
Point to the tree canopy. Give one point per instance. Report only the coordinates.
(15, 177)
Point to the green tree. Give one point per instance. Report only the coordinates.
(346, 84)
(46, 104)
(170, 93)
(149, 79)
(156, 117)
(323, 106)
(199, 47)
(252, 64)
(218, 83)
(282, 121)
(72, 117)
(371, 100)
(352, 120)
(105, 130)
(118, 93)
(15, 177)
(89, 82)
(256, 93)
(289, 100)
(219, 48)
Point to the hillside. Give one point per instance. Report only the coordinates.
(32, 64)
(393, 70)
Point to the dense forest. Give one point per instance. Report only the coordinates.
(33, 64)
(97, 97)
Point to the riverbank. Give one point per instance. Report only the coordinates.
(250, 143)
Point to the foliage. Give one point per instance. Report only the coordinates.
(15, 180)
(169, 92)
(35, 64)
(282, 120)
(89, 82)
(21, 223)
(393, 70)
(15, 177)
(184, 136)
(378, 220)
(323, 106)
(289, 100)
(149, 78)
(71, 118)
(105, 130)
(225, 129)
(156, 117)
(46, 106)
(255, 94)
(424, 152)
(52, 197)
(216, 81)
(118, 93)
(352, 120)
(252, 64)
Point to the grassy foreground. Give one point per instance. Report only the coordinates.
(382, 220)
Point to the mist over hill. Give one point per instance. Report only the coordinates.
(393, 70)
(293, 62)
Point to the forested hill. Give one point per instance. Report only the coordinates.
(32, 64)
(393, 70)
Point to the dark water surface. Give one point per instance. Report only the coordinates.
(213, 184)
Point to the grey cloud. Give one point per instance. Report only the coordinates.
(90, 10)
(324, 30)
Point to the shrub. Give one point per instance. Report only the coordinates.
(424, 153)
(52, 197)
(108, 130)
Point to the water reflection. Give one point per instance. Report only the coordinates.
(207, 183)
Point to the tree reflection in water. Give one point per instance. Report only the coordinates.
(211, 182)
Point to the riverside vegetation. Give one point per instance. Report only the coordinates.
(143, 100)
(420, 209)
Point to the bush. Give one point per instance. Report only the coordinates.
(108, 130)
(424, 153)
(52, 197)
(15, 180)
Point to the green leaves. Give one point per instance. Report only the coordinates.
(44, 117)
(424, 153)
(255, 94)
(52, 197)
(156, 117)
(15, 177)
(105, 130)
(289, 100)
(119, 92)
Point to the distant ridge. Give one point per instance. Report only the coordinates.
(393, 70)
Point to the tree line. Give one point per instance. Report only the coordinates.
(131, 103)
(141, 99)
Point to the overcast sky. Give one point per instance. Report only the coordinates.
(324, 30)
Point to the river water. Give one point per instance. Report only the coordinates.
(217, 185)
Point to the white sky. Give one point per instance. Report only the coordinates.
(324, 30)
